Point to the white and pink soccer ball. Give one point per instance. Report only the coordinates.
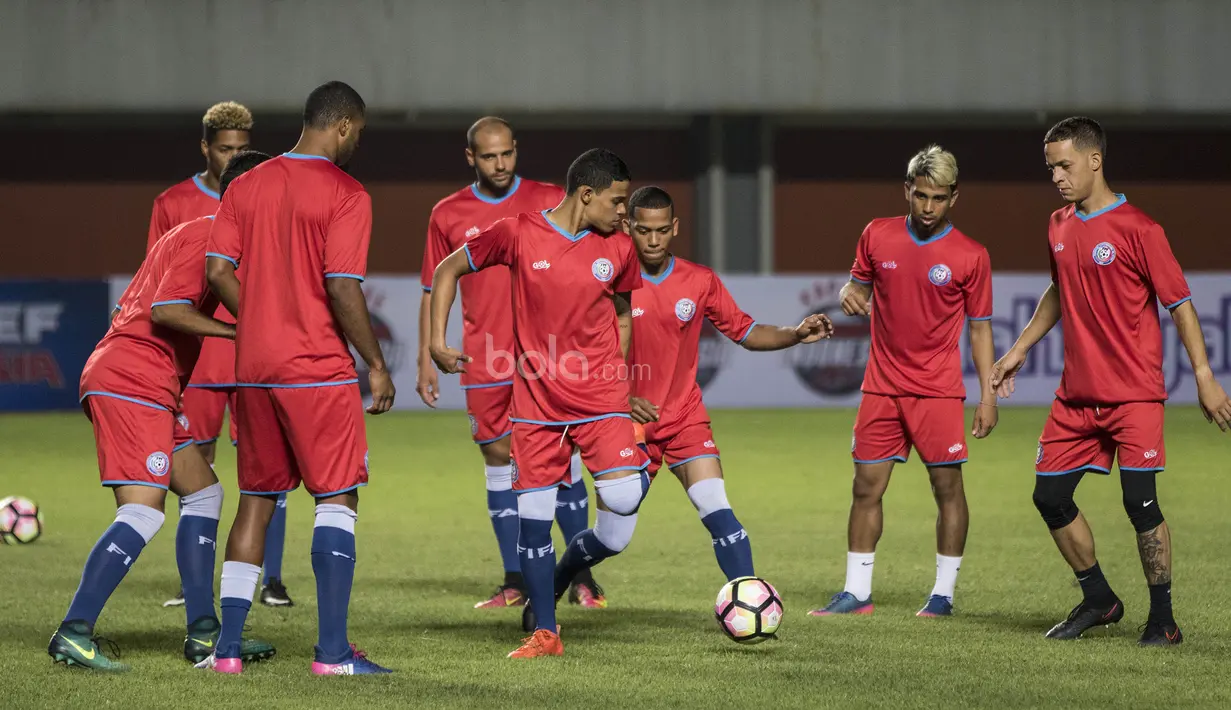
(21, 522)
(749, 610)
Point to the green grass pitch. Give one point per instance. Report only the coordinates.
(427, 553)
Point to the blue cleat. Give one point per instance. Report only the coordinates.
(844, 603)
(357, 664)
(937, 606)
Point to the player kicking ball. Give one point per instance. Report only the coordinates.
(669, 311)
(572, 270)
(918, 278)
(226, 130)
(1110, 265)
(300, 227)
(496, 193)
(130, 391)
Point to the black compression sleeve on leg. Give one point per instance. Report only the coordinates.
(1053, 496)
(1141, 499)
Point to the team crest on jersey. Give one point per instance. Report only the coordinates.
(1038, 457)
(602, 269)
(474, 425)
(183, 420)
(1104, 253)
(685, 309)
(513, 468)
(940, 275)
(158, 463)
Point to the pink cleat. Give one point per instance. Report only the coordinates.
(357, 664)
(230, 666)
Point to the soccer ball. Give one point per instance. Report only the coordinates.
(749, 610)
(21, 521)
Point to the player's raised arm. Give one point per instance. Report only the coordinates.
(726, 315)
(435, 250)
(1046, 316)
(444, 292)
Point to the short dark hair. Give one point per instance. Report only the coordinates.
(330, 103)
(483, 124)
(1085, 132)
(238, 165)
(596, 168)
(650, 197)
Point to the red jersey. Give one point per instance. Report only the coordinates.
(142, 361)
(292, 222)
(669, 311)
(182, 202)
(1111, 267)
(487, 310)
(566, 363)
(921, 289)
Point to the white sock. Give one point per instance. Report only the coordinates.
(239, 580)
(575, 467)
(946, 575)
(859, 574)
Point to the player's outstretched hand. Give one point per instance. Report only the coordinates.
(854, 303)
(1214, 402)
(427, 384)
(381, 384)
(643, 412)
(986, 417)
(449, 361)
(1004, 373)
(813, 328)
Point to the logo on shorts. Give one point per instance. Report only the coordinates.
(626, 453)
(709, 443)
(182, 419)
(513, 469)
(602, 270)
(955, 448)
(158, 463)
(940, 275)
(1038, 457)
(366, 469)
(852, 443)
(541, 264)
(474, 425)
(685, 309)
(1150, 454)
(1104, 253)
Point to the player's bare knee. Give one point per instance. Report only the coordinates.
(868, 489)
(1141, 499)
(497, 453)
(623, 495)
(947, 484)
(1053, 497)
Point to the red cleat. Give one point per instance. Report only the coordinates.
(506, 596)
(541, 643)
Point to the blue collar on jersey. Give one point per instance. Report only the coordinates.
(920, 242)
(1120, 199)
(656, 280)
(304, 156)
(474, 188)
(563, 232)
(196, 180)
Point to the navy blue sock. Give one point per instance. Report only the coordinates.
(572, 509)
(275, 540)
(538, 562)
(582, 553)
(195, 548)
(333, 562)
(502, 506)
(234, 616)
(731, 544)
(109, 561)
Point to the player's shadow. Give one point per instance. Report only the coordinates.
(1032, 624)
(129, 642)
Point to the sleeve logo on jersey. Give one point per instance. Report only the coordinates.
(1104, 253)
(472, 232)
(602, 269)
(685, 309)
(940, 275)
(1038, 457)
(158, 463)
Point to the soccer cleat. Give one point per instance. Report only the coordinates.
(1085, 617)
(177, 600)
(541, 643)
(844, 603)
(274, 594)
(506, 595)
(229, 666)
(1161, 633)
(73, 645)
(357, 664)
(936, 605)
(203, 634)
(587, 595)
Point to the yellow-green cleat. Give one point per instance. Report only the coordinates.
(74, 645)
(202, 640)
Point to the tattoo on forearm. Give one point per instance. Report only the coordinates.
(1155, 549)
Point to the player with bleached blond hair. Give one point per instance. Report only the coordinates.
(925, 279)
